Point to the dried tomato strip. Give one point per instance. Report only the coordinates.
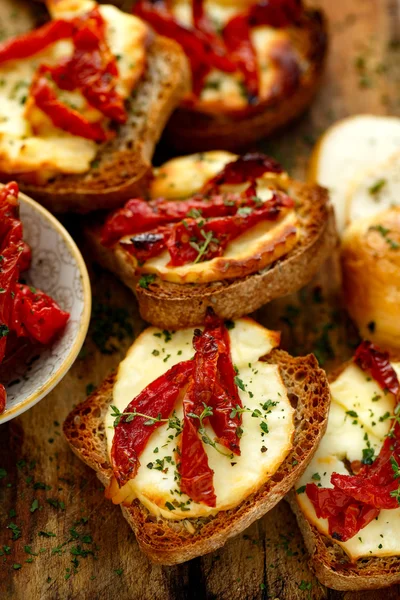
(36, 316)
(346, 517)
(196, 475)
(92, 68)
(374, 487)
(275, 13)
(157, 401)
(236, 35)
(138, 216)
(246, 168)
(31, 43)
(11, 248)
(192, 241)
(371, 359)
(202, 49)
(63, 116)
(225, 398)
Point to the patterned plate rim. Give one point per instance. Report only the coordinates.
(85, 318)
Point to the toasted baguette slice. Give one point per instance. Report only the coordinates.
(169, 542)
(190, 130)
(175, 306)
(123, 166)
(330, 562)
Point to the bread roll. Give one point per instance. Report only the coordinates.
(370, 258)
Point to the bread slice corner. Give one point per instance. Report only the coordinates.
(333, 567)
(168, 542)
(123, 167)
(330, 562)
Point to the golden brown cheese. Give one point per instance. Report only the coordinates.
(371, 276)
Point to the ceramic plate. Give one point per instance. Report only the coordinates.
(60, 271)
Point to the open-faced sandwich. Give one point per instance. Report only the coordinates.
(83, 101)
(348, 500)
(221, 231)
(27, 315)
(255, 66)
(201, 432)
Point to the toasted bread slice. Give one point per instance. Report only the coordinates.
(123, 166)
(170, 542)
(174, 306)
(192, 130)
(330, 562)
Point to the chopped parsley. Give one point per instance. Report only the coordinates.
(385, 234)
(376, 187)
(145, 280)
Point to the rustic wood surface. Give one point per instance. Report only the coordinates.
(71, 543)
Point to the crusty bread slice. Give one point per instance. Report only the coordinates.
(192, 131)
(169, 542)
(330, 562)
(122, 168)
(174, 306)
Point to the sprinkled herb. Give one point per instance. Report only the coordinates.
(3, 330)
(352, 413)
(145, 280)
(376, 187)
(90, 388)
(385, 234)
(240, 383)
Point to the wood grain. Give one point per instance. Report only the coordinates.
(269, 559)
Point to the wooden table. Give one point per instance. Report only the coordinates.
(72, 543)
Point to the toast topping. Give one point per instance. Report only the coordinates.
(24, 311)
(217, 425)
(74, 86)
(241, 56)
(365, 490)
(240, 222)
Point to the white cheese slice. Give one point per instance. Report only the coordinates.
(28, 140)
(347, 150)
(184, 176)
(234, 478)
(345, 439)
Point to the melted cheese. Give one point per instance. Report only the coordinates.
(357, 420)
(29, 143)
(251, 252)
(226, 89)
(184, 176)
(234, 479)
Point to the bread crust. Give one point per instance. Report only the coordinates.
(328, 560)
(168, 542)
(175, 306)
(123, 166)
(190, 130)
